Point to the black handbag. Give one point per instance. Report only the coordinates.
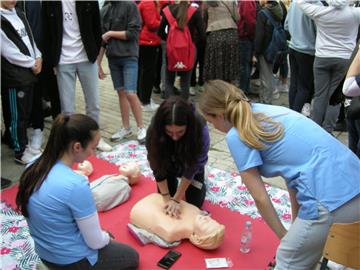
(353, 110)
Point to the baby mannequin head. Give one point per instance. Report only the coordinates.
(208, 233)
(132, 171)
(85, 168)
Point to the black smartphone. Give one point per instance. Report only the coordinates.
(169, 259)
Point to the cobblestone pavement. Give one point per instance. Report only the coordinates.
(110, 121)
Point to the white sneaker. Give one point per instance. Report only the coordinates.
(150, 107)
(121, 134)
(28, 156)
(306, 109)
(192, 91)
(276, 94)
(36, 139)
(141, 135)
(103, 146)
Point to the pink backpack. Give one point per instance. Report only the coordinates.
(180, 49)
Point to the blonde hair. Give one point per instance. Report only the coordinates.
(210, 241)
(255, 129)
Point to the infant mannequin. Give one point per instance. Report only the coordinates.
(112, 189)
(202, 231)
(85, 168)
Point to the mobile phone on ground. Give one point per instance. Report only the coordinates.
(169, 259)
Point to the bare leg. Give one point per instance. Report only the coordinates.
(134, 102)
(124, 109)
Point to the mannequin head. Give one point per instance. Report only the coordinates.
(132, 171)
(85, 168)
(208, 233)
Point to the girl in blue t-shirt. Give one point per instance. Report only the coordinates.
(58, 205)
(322, 174)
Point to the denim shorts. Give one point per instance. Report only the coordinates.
(124, 73)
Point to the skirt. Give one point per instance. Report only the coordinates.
(222, 56)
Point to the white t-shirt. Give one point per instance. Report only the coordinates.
(72, 50)
(9, 50)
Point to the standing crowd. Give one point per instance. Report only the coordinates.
(213, 47)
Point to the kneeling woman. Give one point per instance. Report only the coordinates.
(58, 205)
(177, 142)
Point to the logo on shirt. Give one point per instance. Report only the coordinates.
(68, 16)
(22, 32)
(20, 94)
(179, 65)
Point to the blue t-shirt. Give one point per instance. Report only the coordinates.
(63, 197)
(319, 167)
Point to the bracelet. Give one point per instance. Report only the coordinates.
(164, 194)
(172, 199)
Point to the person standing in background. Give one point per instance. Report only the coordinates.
(121, 26)
(74, 42)
(246, 28)
(20, 63)
(149, 49)
(302, 30)
(263, 35)
(180, 12)
(222, 41)
(336, 29)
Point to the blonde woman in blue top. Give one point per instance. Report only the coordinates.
(59, 207)
(322, 174)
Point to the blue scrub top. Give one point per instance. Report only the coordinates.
(315, 164)
(63, 197)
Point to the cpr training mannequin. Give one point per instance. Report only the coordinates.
(111, 190)
(202, 231)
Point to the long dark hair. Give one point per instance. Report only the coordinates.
(65, 130)
(181, 13)
(174, 111)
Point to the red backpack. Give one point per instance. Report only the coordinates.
(180, 49)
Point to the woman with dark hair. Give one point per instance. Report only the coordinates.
(177, 142)
(184, 16)
(58, 205)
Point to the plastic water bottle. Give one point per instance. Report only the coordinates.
(246, 238)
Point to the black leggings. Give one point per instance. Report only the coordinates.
(113, 256)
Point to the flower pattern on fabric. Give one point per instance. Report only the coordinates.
(17, 247)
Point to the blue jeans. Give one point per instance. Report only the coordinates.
(88, 76)
(124, 73)
(246, 49)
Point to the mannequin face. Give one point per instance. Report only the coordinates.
(204, 225)
(86, 168)
(132, 171)
(207, 234)
(175, 132)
